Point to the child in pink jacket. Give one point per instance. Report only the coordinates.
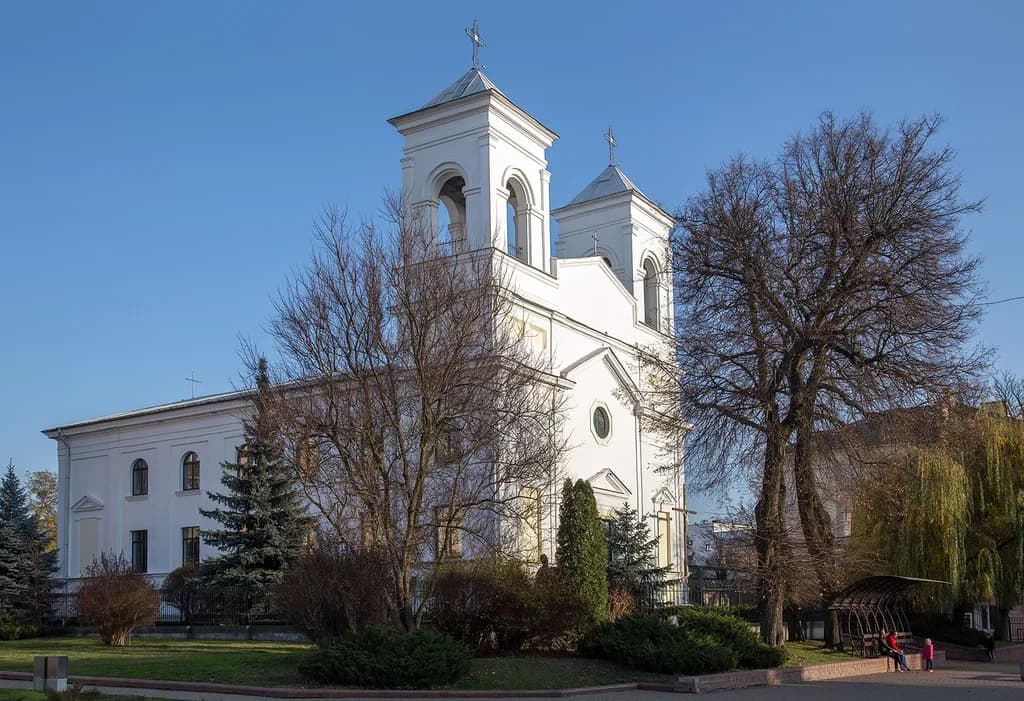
(928, 654)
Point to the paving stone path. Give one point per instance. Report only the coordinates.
(955, 680)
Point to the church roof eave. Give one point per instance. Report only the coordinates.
(612, 182)
(457, 98)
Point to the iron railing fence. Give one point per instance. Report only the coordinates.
(717, 593)
(1015, 624)
(201, 604)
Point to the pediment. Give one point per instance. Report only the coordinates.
(611, 361)
(607, 482)
(664, 496)
(87, 503)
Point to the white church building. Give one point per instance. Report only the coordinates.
(474, 162)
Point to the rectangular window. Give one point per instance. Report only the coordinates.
(140, 551)
(664, 539)
(190, 545)
(449, 533)
(88, 543)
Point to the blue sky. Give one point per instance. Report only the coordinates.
(161, 163)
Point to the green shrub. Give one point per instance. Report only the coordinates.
(751, 652)
(390, 658)
(704, 642)
(12, 628)
(652, 644)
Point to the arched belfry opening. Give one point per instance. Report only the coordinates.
(652, 307)
(451, 229)
(516, 222)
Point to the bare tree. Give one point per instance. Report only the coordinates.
(811, 290)
(1009, 389)
(422, 421)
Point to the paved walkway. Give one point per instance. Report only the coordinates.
(954, 681)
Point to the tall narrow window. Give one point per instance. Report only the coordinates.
(140, 551)
(190, 545)
(449, 533)
(530, 524)
(451, 234)
(515, 222)
(652, 311)
(664, 539)
(140, 478)
(190, 471)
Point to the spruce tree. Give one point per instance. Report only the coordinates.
(27, 564)
(633, 557)
(264, 523)
(582, 553)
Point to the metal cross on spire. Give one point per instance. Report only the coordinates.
(474, 36)
(612, 143)
(594, 236)
(194, 382)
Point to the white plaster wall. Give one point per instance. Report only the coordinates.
(100, 468)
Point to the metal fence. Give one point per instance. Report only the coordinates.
(201, 604)
(715, 593)
(1015, 624)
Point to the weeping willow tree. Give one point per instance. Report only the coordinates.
(996, 536)
(911, 519)
(950, 511)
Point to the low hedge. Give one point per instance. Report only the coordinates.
(703, 642)
(12, 628)
(390, 658)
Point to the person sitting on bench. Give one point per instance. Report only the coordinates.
(891, 648)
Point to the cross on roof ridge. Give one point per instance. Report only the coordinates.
(474, 36)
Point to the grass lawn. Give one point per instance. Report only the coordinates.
(535, 672)
(813, 652)
(23, 695)
(275, 664)
(226, 662)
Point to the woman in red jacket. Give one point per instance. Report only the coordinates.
(897, 652)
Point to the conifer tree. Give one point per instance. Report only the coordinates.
(264, 524)
(27, 564)
(633, 558)
(581, 550)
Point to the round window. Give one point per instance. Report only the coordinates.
(602, 422)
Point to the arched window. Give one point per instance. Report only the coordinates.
(518, 244)
(652, 310)
(190, 471)
(140, 478)
(451, 221)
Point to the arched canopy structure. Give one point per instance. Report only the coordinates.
(873, 604)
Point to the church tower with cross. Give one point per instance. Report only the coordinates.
(613, 219)
(475, 167)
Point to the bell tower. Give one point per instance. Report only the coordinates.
(475, 158)
(613, 220)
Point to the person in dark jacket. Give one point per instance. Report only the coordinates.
(990, 647)
(891, 647)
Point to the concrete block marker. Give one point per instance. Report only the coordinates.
(50, 672)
